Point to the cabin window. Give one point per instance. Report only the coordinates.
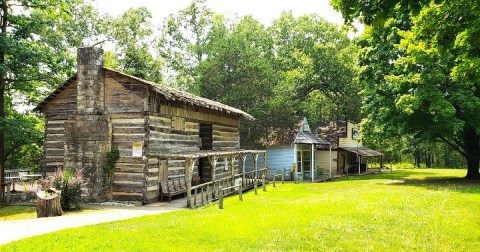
(306, 160)
(299, 161)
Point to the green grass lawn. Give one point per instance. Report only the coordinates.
(426, 210)
(17, 212)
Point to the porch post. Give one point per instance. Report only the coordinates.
(255, 156)
(359, 163)
(312, 163)
(294, 172)
(231, 161)
(189, 163)
(213, 165)
(330, 163)
(244, 159)
(265, 164)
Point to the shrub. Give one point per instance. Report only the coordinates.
(70, 183)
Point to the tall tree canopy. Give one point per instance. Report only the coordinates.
(431, 85)
(295, 67)
(132, 36)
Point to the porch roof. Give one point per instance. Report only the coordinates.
(206, 153)
(309, 138)
(363, 151)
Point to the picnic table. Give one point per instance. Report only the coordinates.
(19, 175)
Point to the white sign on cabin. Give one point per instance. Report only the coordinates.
(137, 149)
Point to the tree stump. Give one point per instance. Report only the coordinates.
(48, 203)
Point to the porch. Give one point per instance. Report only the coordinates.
(200, 191)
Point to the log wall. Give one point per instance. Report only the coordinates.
(139, 115)
(57, 111)
(174, 127)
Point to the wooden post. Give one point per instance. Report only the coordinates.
(330, 163)
(213, 165)
(273, 181)
(220, 197)
(2, 192)
(265, 163)
(231, 161)
(283, 175)
(255, 168)
(189, 163)
(9, 193)
(240, 191)
(264, 183)
(208, 192)
(244, 159)
(359, 163)
(294, 173)
(312, 163)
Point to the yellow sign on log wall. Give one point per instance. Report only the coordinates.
(137, 149)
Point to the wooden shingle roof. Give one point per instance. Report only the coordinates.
(168, 92)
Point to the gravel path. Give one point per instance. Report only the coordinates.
(19, 229)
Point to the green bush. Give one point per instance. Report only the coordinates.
(70, 183)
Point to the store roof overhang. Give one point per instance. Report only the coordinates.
(363, 151)
(309, 138)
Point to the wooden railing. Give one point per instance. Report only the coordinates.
(208, 192)
(281, 175)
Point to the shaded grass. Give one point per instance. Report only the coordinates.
(17, 212)
(404, 210)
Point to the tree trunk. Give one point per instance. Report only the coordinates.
(472, 143)
(48, 203)
(2, 93)
(428, 161)
(417, 157)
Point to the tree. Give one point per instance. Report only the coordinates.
(132, 35)
(318, 61)
(23, 140)
(238, 71)
(433, 80)
(182, 42)
(21, 54)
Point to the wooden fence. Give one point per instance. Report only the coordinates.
(215, 190)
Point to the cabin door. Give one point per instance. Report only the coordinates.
(206, 138)
(304, 156)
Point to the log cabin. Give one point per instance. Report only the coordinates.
(161, 133)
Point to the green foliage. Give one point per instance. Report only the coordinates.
(419, 71)
(182, 42)
(409, 210)
(38, 41)
(301, 66)
(111, 158)
(70, 183)
(131, 34)
(23, 138)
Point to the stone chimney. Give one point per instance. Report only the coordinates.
(88, 133)
(90, 81)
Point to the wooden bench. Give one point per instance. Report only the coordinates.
(172, 187)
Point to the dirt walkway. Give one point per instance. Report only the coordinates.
(19, 229)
